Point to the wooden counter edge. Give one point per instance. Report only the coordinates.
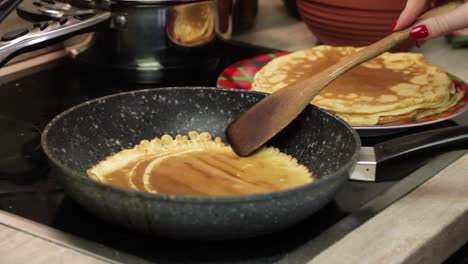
(426, 226)
(19, 247)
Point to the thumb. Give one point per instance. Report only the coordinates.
(440, 25)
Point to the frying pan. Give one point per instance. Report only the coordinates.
(85, 134)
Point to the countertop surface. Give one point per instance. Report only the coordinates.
(273, 29)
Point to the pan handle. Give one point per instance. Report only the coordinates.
(41, 34)
(432, 140)
(395, 153)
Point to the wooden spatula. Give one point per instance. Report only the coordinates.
(269, 116)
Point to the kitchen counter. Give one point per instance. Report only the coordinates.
(277, 30)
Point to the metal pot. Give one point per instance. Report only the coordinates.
(142, 39)
(147, 42)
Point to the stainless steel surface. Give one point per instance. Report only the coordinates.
(224, 19)
(244, 15)
(57, 9)
(66, 240)
(53, 31)
(147, 43)
(197, 16)
(144, 41)
(366, 166)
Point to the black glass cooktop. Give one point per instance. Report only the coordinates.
(28, 187)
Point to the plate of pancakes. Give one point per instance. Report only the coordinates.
(389, 93)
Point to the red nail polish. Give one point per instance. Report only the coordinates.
(419, 32)
(394, 24)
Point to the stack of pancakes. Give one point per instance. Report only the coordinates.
(393, 87)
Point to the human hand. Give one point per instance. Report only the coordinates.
(432, 27)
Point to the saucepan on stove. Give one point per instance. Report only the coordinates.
(142, 39)
(84, 135)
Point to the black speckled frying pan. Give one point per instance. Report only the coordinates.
(83, 135)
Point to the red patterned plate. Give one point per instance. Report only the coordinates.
(240, 76)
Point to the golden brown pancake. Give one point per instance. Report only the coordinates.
(454, 99)
(407, 114)
(393, 86)
(396, 118)
(197, 165)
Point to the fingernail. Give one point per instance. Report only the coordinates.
(419, 32)
(394, 24)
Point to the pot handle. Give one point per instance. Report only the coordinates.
(422, 143)
(42, 34)
(224, 17)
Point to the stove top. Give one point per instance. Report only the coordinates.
(28, 187)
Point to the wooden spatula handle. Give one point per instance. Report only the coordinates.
(269, 116)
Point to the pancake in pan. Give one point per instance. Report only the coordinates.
(198, 165)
